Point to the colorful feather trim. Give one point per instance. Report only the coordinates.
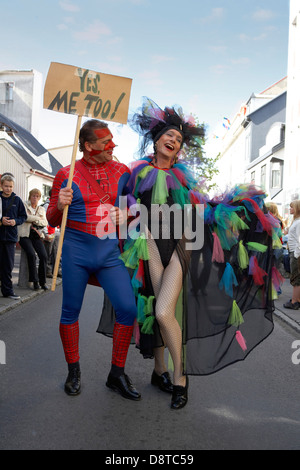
(218, 253)
(241, 340)
(228, 280)
(235, 317)
(243, 258)
(253, 246)
(277, 279)
(257, 273)
(134, 251)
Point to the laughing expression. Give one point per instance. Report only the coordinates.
(169, 144)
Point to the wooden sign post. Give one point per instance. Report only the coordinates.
(74, 90)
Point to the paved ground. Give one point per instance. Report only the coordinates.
(291, 317)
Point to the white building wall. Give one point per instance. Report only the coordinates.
(22, 104)
(10, 162)
(26, 179)
(292, 139)
(232, 161)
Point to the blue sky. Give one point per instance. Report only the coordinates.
(208, 57)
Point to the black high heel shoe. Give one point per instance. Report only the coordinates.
(180, 396)
(162, 381)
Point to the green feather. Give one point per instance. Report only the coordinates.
(235, 317)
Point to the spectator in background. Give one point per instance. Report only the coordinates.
(273, 208)
(294, 253)
(278, 251)
(12, 214)
(31, 239)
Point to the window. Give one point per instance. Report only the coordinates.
(247, 148)
(263, 177)
(275, 175)
(45, 192)
(253, 177)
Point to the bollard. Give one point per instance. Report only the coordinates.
(2, 353)
(23, 271)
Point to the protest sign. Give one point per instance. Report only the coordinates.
(83, 92)
(74, 90)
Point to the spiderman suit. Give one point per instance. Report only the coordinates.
(90, 248)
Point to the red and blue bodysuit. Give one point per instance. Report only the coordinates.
(85, 252)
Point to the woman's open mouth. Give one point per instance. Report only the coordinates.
(169, 147)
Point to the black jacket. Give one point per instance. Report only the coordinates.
(16, 210)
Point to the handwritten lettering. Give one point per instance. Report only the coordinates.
(84, 92)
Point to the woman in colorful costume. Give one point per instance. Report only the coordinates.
(205, 328)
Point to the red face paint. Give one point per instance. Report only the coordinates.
(101, 134)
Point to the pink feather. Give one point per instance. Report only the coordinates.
(218, 253)
(241, 340)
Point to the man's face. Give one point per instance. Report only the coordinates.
(101, 150)
(7, 187)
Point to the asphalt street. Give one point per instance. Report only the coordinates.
(252, 404)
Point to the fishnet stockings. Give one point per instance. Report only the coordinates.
(167, 283)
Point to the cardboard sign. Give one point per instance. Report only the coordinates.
(73, 90)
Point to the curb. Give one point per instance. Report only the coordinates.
(286, 319)
(25, 298)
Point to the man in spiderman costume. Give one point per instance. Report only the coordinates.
(91, 248)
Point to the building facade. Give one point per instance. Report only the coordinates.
(22, 155)
(252, 149)
(291, 181)
(21, 97)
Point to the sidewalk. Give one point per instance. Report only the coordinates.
(291, 317)
(25, 293)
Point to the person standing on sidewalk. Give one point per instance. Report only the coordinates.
(294, 253)
(31, 238)
(12, 214)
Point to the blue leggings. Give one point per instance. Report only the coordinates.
(83, 255)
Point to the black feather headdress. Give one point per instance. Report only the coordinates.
(151, 122)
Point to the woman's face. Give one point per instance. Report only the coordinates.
(34, 199)
(169, 144)
(292, 210)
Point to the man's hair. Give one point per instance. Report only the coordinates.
(8, 177)
(87, 132)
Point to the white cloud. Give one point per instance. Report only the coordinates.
(241, 61)
(260, 37)
(158, 59)
(69, 6)
(263, 15)
(111, 68)
(219, 69)
(114, 40)
(216, 14)
(62, 27)
(218, 49)
(93, 32)
(151, 77)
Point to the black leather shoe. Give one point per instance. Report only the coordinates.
(36, 285)
(124, 386)
(162, 381)
(73, 382)
(179, 396)
(45, 287)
